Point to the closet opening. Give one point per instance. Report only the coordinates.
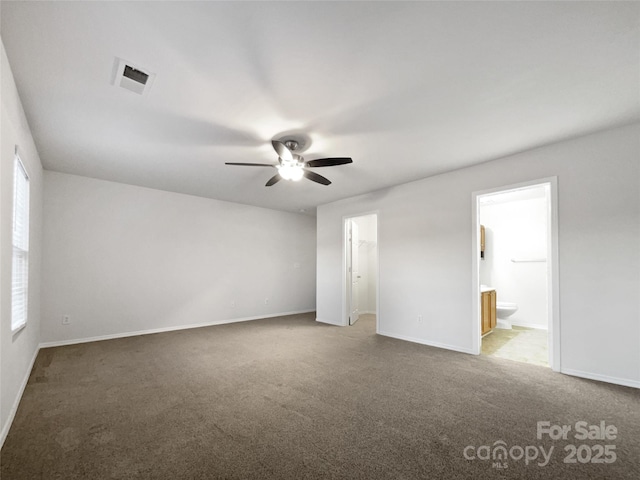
(360, 292)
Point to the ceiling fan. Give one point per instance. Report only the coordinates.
(292, 166)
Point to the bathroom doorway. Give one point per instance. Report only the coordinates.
(515, 273)
(360, 297)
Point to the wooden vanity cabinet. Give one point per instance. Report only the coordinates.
(482, 241)
(488, 309)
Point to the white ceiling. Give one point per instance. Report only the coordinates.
(407, 89)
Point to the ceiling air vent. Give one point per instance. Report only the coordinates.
(133, 78)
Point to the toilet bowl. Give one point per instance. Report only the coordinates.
(503, 311)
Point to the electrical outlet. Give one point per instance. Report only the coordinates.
(419, 318)
(266, 301)
(233, 304)
(296, 265)
(66, 319)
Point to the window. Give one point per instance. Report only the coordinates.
(20, 242)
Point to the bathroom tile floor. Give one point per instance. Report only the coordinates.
(521, 344)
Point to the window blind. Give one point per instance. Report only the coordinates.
(20, 242)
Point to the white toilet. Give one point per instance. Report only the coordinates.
(503, 311)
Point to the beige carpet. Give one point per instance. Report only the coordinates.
(288, 398)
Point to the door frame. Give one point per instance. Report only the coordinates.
(346, 280)
(553, 285)
(352, 271)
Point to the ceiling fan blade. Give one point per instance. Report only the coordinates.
(281, 149)
(273, 180)
(328, 162)
(251, 164)
(314, 177)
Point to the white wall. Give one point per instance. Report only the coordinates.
(17, 351)
(424, 242)
(121, 259)
(517, 230)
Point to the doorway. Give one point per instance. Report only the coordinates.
(360, 292)
(515, 273)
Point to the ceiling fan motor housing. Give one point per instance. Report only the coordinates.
(292, 145)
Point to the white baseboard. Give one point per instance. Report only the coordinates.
(14, 408)
(601, 378)
(455, 348)
(60, 343)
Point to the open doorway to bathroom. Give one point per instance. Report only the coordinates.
(361, 271)
(515, 274)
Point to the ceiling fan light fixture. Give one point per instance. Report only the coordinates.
(291, 172)
(292, 166)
